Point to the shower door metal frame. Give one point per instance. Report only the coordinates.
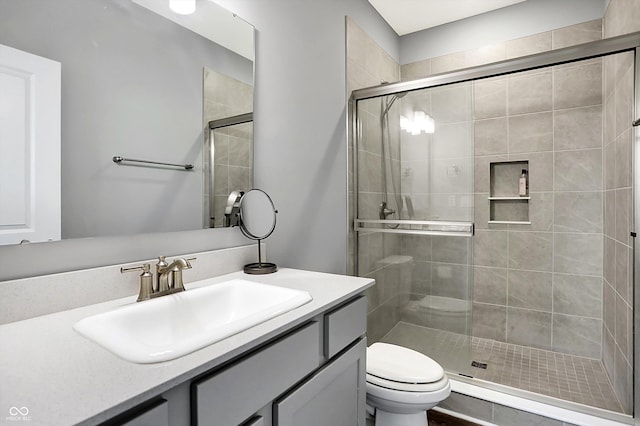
(624, 43)
(635, 195)
(595, 49)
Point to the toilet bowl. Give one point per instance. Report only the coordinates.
(402, 385)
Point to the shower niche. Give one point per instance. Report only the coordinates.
(506, 206)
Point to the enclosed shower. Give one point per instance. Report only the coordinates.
(529, 292)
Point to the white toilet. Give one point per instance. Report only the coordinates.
(402, 385)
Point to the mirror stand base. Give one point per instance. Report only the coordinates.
(260, 268)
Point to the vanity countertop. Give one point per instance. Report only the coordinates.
(63, 378)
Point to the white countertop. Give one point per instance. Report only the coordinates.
(63, 378)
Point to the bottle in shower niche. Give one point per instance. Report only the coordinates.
(523, 184)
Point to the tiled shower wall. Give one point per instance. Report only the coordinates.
(540, 285)
(533, 284)
(368, 65)
(622, 16)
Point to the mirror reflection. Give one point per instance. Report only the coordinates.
(137, 85)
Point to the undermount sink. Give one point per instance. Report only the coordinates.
(172, 326)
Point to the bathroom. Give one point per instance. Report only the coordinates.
(300, 61)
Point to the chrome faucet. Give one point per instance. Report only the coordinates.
(167, 279)
(169, 276)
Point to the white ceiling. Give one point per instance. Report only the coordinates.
(408, 16)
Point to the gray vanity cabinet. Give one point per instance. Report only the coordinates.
(232, 395)
(335, 395)
(312, 375)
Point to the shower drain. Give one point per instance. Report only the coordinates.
(478, 364)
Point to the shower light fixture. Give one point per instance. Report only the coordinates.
(420, 123)
(183, 7)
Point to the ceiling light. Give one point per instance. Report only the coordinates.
(183, 7)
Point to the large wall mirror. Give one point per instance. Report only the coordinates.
(141, 82)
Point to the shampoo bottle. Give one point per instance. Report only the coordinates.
(523, 186)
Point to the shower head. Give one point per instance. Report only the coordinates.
(391, 100)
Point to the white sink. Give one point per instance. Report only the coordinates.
(172, 326)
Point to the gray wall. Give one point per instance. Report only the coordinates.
(300, 121)
(522, 19)
(300, 156)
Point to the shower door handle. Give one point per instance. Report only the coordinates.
(416, 227)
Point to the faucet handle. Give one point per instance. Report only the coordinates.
(177, 282)
(146, 280)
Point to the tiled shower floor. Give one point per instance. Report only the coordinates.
(563, 376)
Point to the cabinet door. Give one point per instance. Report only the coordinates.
(335, 395)
(157, 415)
(232, 395)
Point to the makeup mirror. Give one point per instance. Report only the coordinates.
(257, 220)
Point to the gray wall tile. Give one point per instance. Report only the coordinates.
(450, 280)
(623, 211)
(578, 84)
(531, 132)
(529, 328)
(530, 92)
(489, 321)
(530, 290)
(623, 160)
(490, 98)
(531, 250)
(476, 408)
(481, 171)
(528, 45)
(577, 295)
(578, 253)
(577, 335)
(491, 136)
(609, 308)
(541, 210)
(577, 34)
(578, 170)
(622, 269)
(507, 416)
(490, 248)
(490, 285)
(577, 128)
(578, 212)
(451, 249)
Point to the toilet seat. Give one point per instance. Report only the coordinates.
(399, 368)
(408, 387)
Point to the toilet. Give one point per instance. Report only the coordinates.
(402, 385)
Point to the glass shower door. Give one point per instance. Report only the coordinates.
(414, 224)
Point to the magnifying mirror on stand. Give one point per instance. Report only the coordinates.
(257, 220)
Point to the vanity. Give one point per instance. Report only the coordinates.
(303, 367)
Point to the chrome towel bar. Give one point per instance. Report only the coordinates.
(416, 227)
(118, 159)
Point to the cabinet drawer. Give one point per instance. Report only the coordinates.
(256, 421)
(157, 415)
(343, 325)
(230, 396)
